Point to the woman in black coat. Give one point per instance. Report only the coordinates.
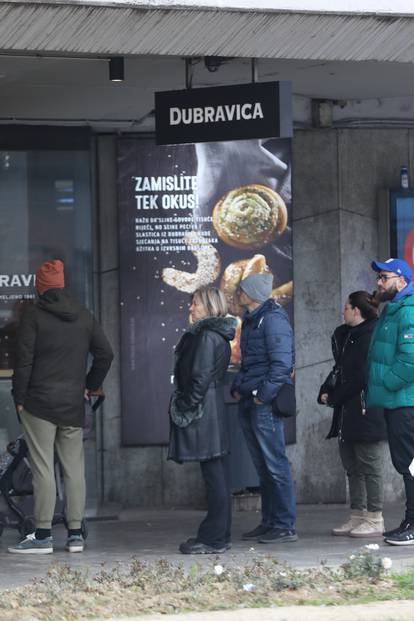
(199, 430)
(361, 432)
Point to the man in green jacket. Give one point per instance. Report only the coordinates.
(391, 378)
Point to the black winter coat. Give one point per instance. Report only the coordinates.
(351, 422)
(54, 339)
(202, 358)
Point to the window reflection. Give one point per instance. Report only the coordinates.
(45, 213)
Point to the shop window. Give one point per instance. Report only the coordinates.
(45, 213)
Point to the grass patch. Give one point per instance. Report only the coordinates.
(404, 583)
(65, 593)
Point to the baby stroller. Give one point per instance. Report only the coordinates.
(16, 489)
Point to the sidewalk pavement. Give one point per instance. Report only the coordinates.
(386, 611)
(151, 534)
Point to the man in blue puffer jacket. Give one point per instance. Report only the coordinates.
(267, 364)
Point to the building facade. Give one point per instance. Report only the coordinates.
(61, 119)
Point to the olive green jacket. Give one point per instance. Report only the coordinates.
(391, 355)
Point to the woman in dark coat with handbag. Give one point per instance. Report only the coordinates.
(361, 432)
(199, 430)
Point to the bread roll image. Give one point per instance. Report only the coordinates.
(284, 293)
(250, 216)
(256, 265)
(208, 266)
(234, 273)
(235, 359)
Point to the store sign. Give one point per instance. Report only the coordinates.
(17, 280)
(242, 112)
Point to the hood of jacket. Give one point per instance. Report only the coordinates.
(225, 326)
(270, 306)
(401, 300)
(57, 302)
(408, 290)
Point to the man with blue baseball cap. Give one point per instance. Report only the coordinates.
(391, 378)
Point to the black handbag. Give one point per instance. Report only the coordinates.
(284, 404)
(331, 381)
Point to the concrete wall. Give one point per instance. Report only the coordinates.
(336, 177)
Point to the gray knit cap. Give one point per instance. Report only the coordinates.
(257, 286)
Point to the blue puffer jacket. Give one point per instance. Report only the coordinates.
(267, 352)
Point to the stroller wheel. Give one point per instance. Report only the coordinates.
(27, 527)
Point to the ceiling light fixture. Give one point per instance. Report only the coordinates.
(213, 63)
(116, 69)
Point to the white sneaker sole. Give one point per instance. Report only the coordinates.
(410, 542)
(74, 549)
(361, 535)
(33, 551)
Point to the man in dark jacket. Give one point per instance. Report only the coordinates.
(267, 364)
(50, 384)
(391, 378)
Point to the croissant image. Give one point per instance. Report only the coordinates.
(208, 266)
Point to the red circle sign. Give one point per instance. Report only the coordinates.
(409, 249)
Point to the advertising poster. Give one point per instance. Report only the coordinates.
(402, 226)
(191, 215)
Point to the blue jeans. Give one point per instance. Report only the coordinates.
(266, 443)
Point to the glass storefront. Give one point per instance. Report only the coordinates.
(45, 213)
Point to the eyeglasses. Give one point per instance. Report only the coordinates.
(384, 278)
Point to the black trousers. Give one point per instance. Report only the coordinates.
(215, 529)
(400, 425)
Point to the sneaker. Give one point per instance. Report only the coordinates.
(31, 545)
(196, 547)
(75, 543)
(256, 532)
(279, 535)
(355, 519)
(371, 526)
(404, 537)
(194, 540)
(394, 531)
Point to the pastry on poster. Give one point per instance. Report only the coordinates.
(250, 216)
(208, 266)
(284, 293)
(237, 271)
(234, 273)
(235, 358)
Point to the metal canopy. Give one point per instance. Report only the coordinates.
(130, 29)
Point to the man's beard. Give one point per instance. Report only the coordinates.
(386, 295)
